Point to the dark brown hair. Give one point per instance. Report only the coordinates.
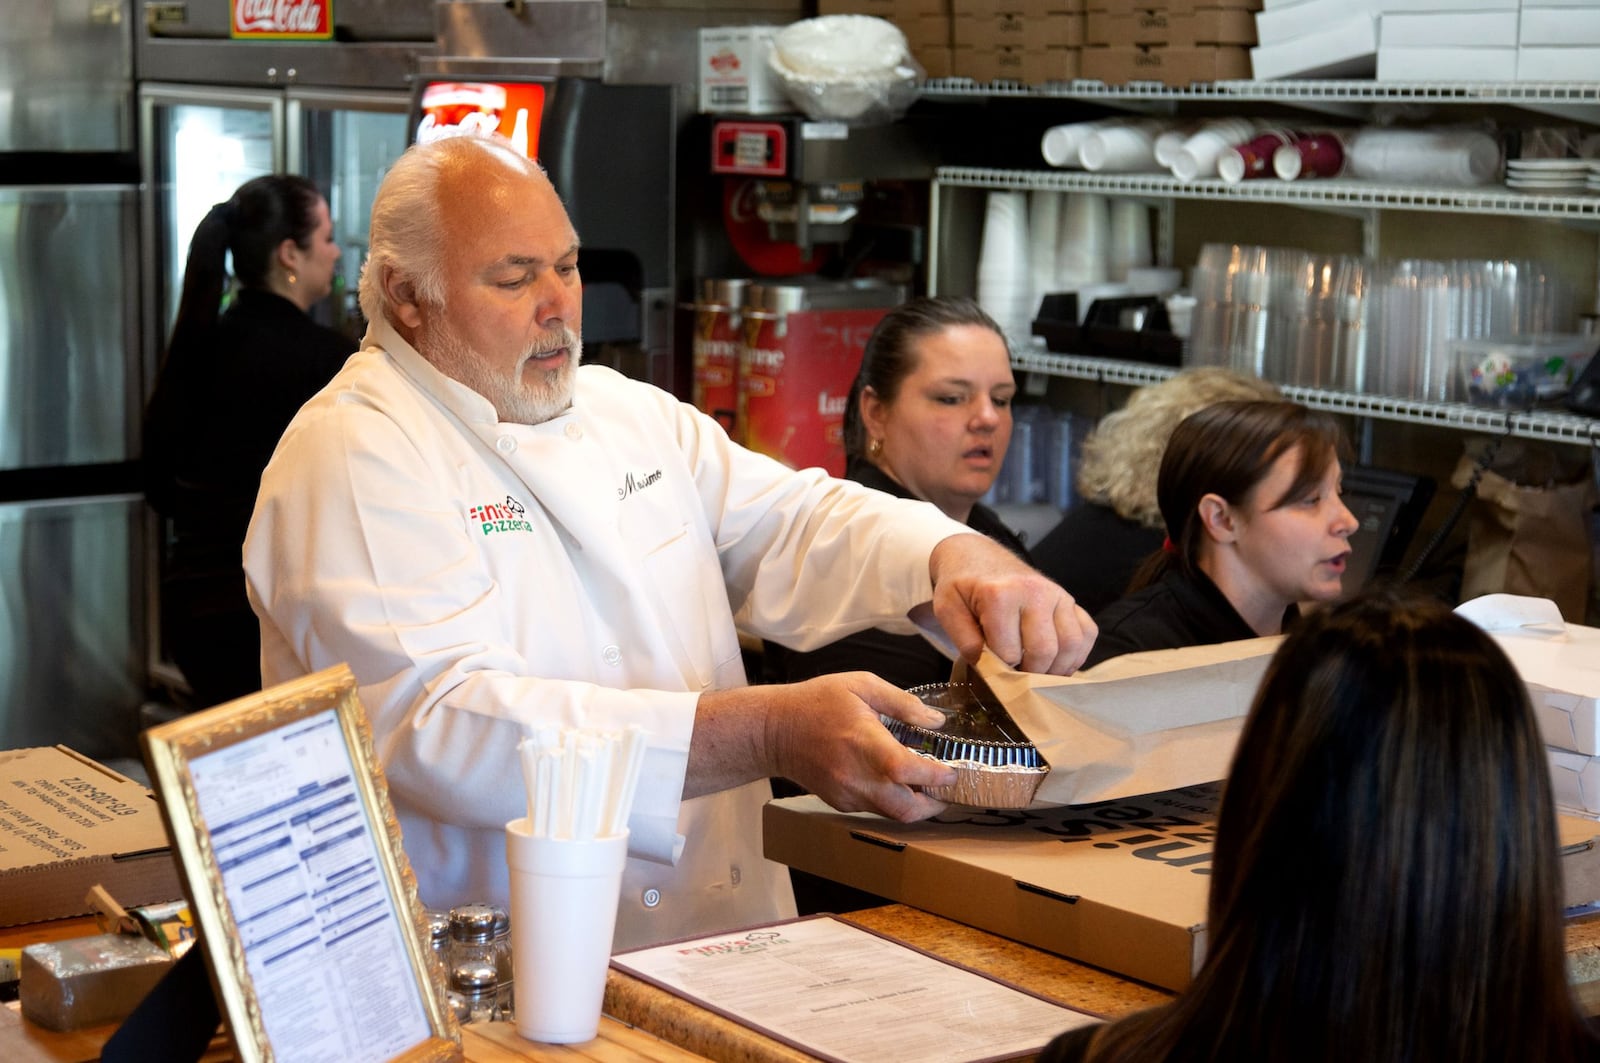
(1227, 449)
(260, 215)
(889, 356)
(1385, 884)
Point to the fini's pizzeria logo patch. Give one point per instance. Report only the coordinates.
(504, 516)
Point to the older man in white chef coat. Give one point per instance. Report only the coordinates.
(496, 540)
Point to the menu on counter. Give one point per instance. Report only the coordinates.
(300, 867)
(845, 994)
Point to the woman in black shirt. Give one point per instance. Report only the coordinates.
(1249, 492)
(929, 417)
(229, 386)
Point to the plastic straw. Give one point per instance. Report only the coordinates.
(581, 784)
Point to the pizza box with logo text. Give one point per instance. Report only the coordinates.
(68, 823)
(1120, 884)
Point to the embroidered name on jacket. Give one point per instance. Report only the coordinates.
(632, 483)
(500, 516)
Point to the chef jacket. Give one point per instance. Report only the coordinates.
(484, 579)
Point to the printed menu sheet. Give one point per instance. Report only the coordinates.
(846, 994)
(299, 862)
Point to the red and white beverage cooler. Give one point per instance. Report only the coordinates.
(717, 335)
(803, 339)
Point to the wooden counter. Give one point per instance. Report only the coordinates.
(644, 1024)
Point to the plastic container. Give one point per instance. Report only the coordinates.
(1521, 370)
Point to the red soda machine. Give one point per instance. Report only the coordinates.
(825, 223)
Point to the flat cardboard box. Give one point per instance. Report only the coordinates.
(1030, 66)
(1562, 673)
(1026, 9)
(1118, 884)
(1446, 64)
(734, 75)
(925, 31)
(1438, 29)
(1144, 26)
(1012, 30)
(68, 823)
(1558, 27)
(1347, 48)
(1189, 7)
(1212, 25)
(1167, 64)
(936, 60)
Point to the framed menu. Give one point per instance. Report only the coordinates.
(290, 855)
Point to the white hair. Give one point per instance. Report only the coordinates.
(406, 235)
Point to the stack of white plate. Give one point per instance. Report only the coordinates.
(1548, 176)
(1592, 183)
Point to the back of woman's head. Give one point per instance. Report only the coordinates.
(890, 354)
(1385, 883)
(1120, 454)
(1227, 449)
(251, 224)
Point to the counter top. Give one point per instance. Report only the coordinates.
(645, 1024)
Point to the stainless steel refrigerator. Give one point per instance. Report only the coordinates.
(72, 531)
(214, 113)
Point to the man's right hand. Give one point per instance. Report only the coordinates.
(823, 734)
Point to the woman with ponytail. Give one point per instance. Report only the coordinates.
(1249, 493)
(229, 383)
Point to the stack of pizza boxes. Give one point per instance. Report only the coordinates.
(1176, 43)
(925, 23)
(1027, 41)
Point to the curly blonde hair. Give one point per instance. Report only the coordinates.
(1122, 454)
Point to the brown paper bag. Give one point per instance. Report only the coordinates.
(1529, 540)
(1137, 724)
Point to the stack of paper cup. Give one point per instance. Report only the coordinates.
(1060, 144)
(1005, 287)
(1127, 148)
(1462, 157)
(1044, 229)
(1197, 159)
(1081, 252)
(1130, 238)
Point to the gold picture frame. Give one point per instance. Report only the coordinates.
(290, 855)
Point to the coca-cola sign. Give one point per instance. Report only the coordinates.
(310, 20)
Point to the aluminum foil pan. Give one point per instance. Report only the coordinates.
(996, 766)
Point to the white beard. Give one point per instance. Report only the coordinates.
(516, 399)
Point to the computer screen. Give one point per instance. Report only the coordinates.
(1389, 506)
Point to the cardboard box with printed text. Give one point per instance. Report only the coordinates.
(68, 823)
(1120, 884)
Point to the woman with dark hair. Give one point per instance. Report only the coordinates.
(229, 384)
(1249, 493)
(928, 417)
(1385, 883)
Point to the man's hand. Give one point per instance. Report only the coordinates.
(823, 734)
(983, 594)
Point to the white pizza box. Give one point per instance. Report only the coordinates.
(1346, 48)
(1442, 29)
(1559, 661)
(1307, 19)
(1446, 64)
(1562, 27)
(1539, 63)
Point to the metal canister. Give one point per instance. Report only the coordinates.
(475, 993)
(803, 339)
(716, 350)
